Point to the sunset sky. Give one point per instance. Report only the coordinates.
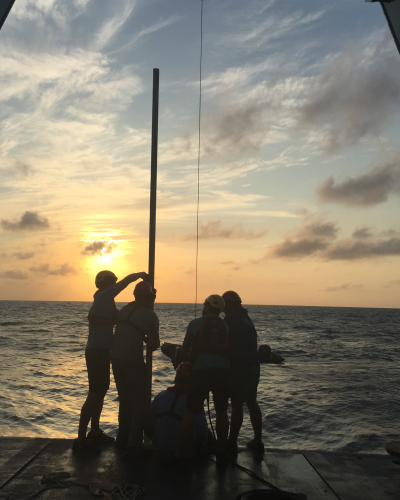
(300, 165)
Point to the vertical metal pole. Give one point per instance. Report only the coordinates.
(153, 200)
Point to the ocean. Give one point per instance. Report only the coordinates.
(338, 389)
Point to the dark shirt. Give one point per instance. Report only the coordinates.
(242, 340)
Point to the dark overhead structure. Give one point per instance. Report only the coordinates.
(391, 9)
(5, 7)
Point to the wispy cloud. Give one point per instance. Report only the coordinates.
(392, 283)
(214, 230)
(113, 24)
(353, 98)
(340, 288)
(365, 190)
(30, 221)
(23, 255)
(23, 168)
(134, 38)
(257, 30)
(64, 270)
(14, 275)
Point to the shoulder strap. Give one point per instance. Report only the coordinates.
(171, 413)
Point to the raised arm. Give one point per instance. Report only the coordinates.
(121, 285)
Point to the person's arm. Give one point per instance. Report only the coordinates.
(188, 340)
(121, 285)
(154, 338)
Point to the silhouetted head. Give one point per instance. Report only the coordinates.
(144, 293)
(214, 304)
(105, 279)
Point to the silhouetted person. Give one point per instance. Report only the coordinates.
(245, 372)
(136, 323)
(102, 317)
(167, 409)
(207, 337)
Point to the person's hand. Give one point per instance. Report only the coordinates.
(144, 276)
(153, 346)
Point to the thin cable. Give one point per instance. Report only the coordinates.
(198, 158)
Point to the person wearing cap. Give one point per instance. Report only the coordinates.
(207, 340)
(245, 372)
(102, 316)
(163, 420)
(136, 323)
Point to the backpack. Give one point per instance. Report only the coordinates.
(211, 338)
(140, 330)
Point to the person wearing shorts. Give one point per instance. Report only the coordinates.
(210, 374)
(244, 374)
(102, 317)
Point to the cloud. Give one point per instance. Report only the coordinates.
(354, 96)
(392, 283)
(299, 248)
(340, 288)
(214, 229)
(114, 22)
(307, 240)
(64, 270)
(22, 255)
(236, 266)
(365, 190)
(30, 221)
(319, 239)
(359, 249)
(362, 233)
(14, 275)
(99, 248)
(23, 169)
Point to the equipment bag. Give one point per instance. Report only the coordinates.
(211, 338)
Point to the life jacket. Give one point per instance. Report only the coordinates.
(140, 330)
(211, 338)
(171, 413)
(99, 320)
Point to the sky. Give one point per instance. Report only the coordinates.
(300, 154)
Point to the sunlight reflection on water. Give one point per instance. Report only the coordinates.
(338, 389)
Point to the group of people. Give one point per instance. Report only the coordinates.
(222, 359)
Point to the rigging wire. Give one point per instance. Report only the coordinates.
(198, 156)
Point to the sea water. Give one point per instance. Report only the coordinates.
(337, 390)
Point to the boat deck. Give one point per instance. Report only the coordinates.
(317, 474)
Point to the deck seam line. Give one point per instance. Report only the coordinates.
(323, 479)
(24, 466)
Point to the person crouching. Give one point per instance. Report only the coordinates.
(167, 409)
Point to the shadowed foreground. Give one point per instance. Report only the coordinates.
(319, 475)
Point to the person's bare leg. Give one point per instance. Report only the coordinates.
(255, 418)
(185, 431)
(97, 409)
(91, 410)
(222, 428)
(236, 420)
